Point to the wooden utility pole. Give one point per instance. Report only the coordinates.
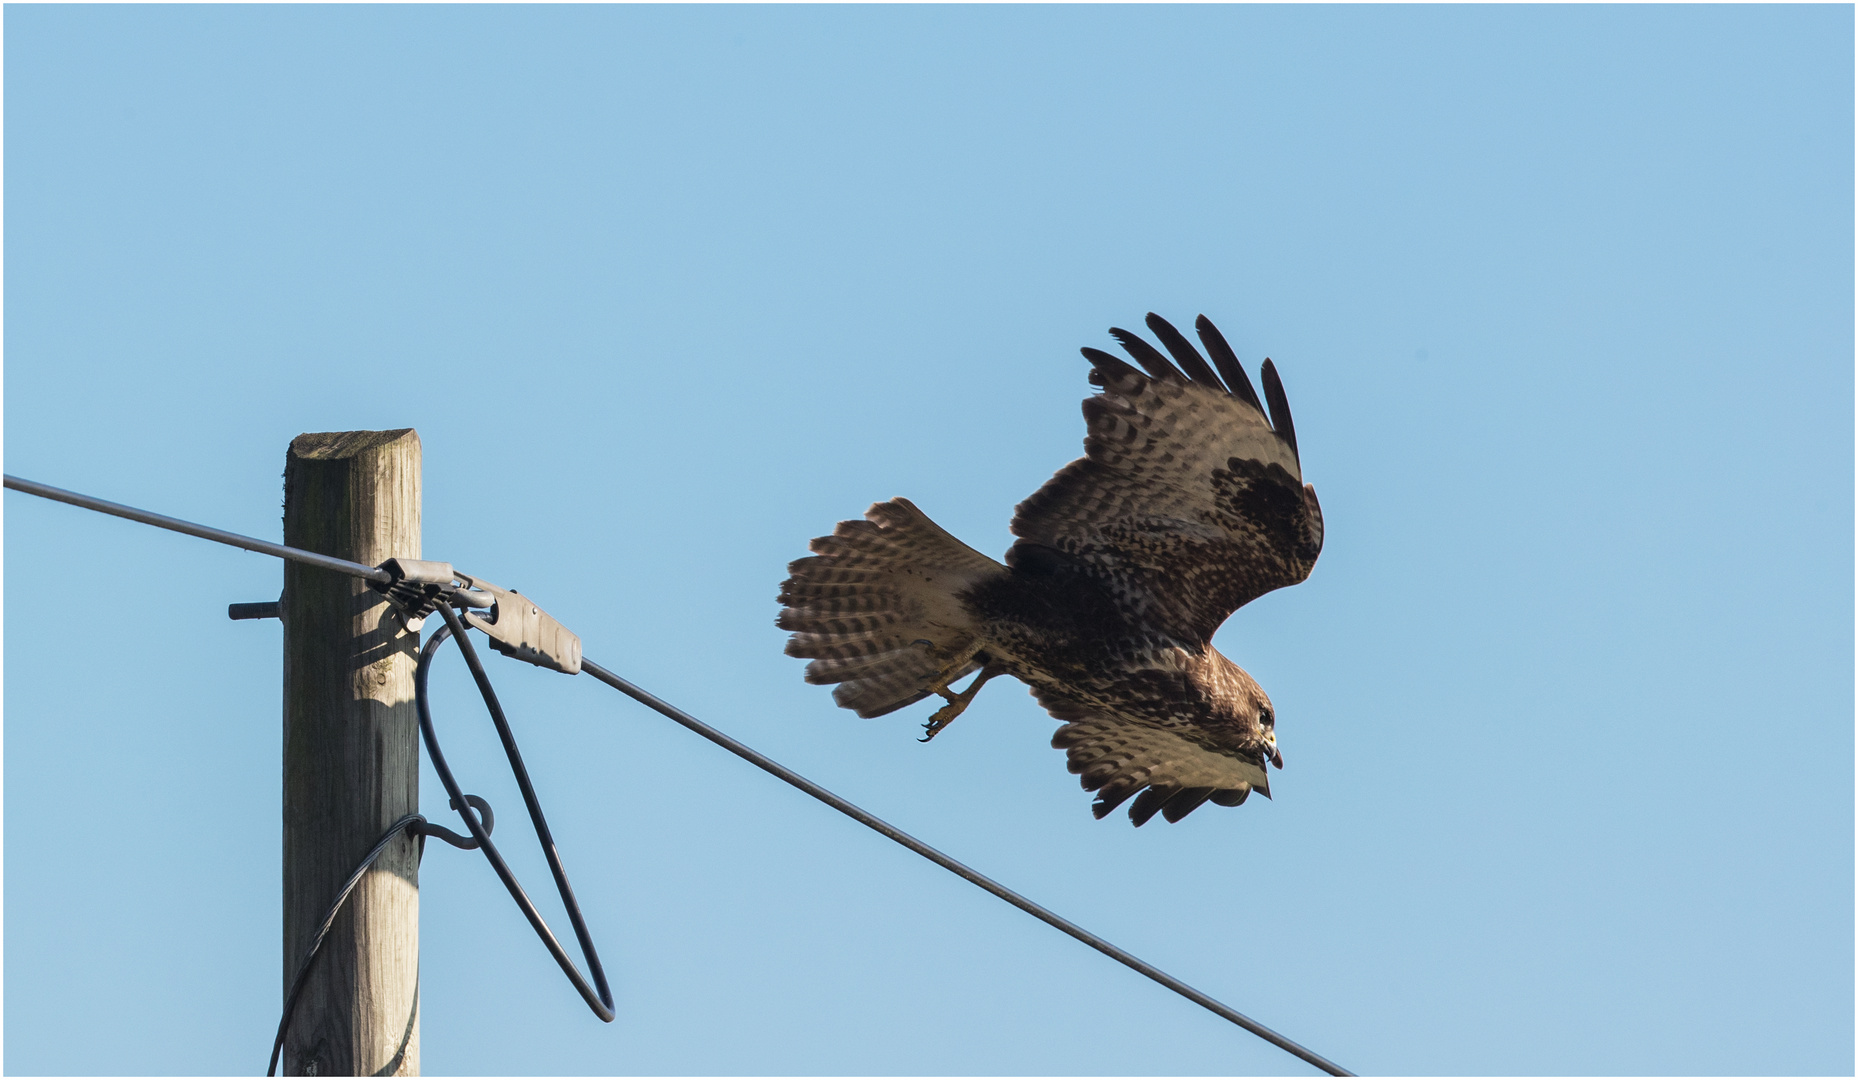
(351, 756)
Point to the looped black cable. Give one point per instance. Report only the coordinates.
(480, 820)
(598, 997)
(418, 827)
(467, 843)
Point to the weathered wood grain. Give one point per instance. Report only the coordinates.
(351, 756)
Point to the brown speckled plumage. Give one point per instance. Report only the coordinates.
(1187, 504)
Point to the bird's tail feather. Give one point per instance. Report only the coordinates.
(875, 608)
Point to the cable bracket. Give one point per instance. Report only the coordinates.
(513, 623)
(418, 587)
(517, 627)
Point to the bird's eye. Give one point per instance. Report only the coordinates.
(1265, 719)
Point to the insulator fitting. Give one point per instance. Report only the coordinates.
(517, 627)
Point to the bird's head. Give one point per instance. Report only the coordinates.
(1267, 726)
(1244, 705)
(1257, 717)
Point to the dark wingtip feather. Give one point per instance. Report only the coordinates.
(1280, 406)
(1146, 355)
(1184, 354)
(1185, 803)
(1110, 365)
(1150, 802)
(1228, 363)
(1112, 795)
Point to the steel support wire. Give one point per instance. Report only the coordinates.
(204, 532)
(961, 870)
(598, 997)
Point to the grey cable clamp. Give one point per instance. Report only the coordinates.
(515, 625)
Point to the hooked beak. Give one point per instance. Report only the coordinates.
(1273, 756)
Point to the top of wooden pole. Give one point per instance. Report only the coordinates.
(332, 445)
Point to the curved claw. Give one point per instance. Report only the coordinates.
(945, 715)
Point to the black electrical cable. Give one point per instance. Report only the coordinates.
(469, 807)
(417, 826)
(411, 822)
(599, 997)
(966, 873)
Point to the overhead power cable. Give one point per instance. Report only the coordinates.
(386, 577)
(959, 869)
(204, 532)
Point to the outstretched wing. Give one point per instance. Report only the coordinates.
(1188, 502)
(1177, 767)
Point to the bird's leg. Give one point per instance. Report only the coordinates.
(951, 670)
(956, 702)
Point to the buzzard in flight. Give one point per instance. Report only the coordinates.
(1187, 504)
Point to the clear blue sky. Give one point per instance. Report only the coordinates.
(1563, 299)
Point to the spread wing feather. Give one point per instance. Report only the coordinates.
(1228, 362)
(1176, 769)
(1188, 501)
(1190, 361)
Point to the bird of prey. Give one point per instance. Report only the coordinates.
(1188, 503)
